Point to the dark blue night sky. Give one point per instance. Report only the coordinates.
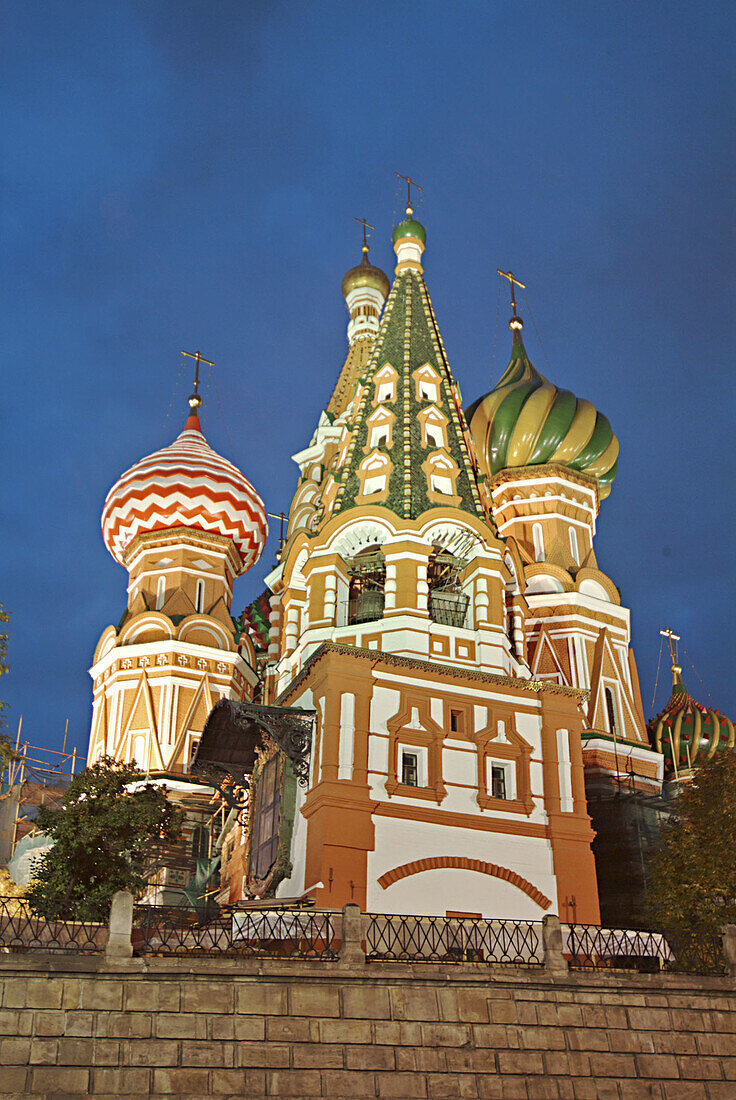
(185, 175)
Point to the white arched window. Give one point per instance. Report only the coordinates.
(611, 711)
(199, 597)
(538, 538)
(574, 545)
(379, 435)
(435, 435)
(160, 592)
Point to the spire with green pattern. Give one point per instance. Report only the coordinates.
(427, 449)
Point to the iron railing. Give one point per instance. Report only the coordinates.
(448, 608)
(588, 946)
(22, 930)
(454, 939)
(266, 933)
(367, 607)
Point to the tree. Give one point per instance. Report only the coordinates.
(105, 838)
(693, 871)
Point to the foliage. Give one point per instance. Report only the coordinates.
(105, 839)
(693, 871)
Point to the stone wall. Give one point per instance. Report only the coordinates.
(252, 1028)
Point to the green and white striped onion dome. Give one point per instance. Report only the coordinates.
(688, 732)
(527, 421)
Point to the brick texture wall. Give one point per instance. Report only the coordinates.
(246, 1028)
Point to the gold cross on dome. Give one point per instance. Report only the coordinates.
(366, 226)
(672, 638)
(512, 283)
(409, 184)
(198, 358)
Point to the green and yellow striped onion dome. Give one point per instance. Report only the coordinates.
(689, 732)
(527, 421)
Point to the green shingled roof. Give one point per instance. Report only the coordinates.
(408, 339)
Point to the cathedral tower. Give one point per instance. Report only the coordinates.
(184, 522)
(442, 774)
(548, 459)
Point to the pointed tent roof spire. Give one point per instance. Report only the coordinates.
(195, 399)
(425, 454)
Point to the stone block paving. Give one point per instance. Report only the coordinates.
(186, 1031)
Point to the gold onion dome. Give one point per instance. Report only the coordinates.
(687, 732)
(365, 274)
(525, 420)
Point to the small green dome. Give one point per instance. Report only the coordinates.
(527, 421)
(409, 228)
(688, 733)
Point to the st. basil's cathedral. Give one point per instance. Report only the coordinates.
(435, 707)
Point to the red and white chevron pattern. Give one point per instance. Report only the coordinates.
(185, 485)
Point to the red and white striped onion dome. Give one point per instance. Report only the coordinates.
(186, 484)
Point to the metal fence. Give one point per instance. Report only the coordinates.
(22, 930)
(588, 946)
(268, 933)
(454, 939)
(304, 933)
(448, 608)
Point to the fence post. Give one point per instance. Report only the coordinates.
(119, 943)
(554, 959)
(728, 932)
(351, 952)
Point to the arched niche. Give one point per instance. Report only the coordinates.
(350, 541)
(201, 631)
(147, 627)
(454, 538)
(543, 585)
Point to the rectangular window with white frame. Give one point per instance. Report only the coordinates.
(412, 765)
(501, 779)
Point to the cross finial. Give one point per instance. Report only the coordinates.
(672, 637)
(194, 399)
(409, 184)
(366, 226)
(513, 282)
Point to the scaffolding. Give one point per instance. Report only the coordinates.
(36, 777)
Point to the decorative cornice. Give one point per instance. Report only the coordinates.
(535, 473)
(544, 687)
